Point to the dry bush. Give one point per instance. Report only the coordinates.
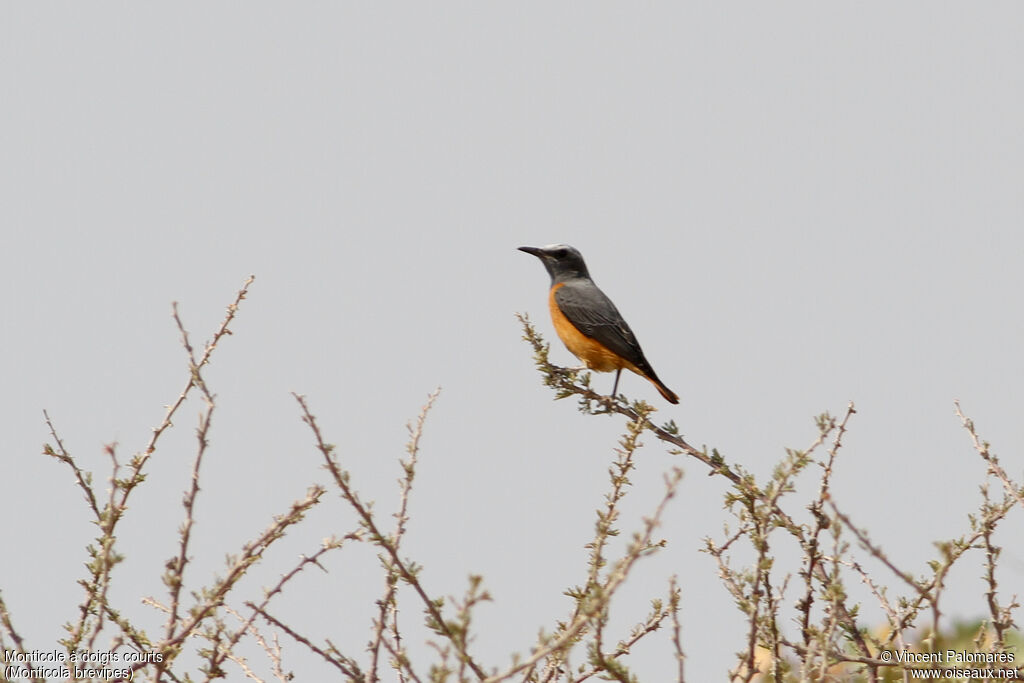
(830, 641)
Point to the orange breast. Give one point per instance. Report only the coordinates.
(593, 354)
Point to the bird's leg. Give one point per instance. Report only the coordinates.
(608, 401)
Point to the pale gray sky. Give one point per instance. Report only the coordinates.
(794, 205)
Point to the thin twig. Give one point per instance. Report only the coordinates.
(369, 522)
(387, 604)
(84, 479)
(993, 462)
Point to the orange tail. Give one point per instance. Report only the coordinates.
(667, 393)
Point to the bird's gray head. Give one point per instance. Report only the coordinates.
(562, 261)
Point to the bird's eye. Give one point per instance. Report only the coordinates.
(560, 253)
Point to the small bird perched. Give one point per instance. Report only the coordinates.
(587, 321)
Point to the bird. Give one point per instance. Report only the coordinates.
(587, 321)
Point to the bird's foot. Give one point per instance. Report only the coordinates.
(608, 402)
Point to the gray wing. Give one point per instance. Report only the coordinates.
(595, 315)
